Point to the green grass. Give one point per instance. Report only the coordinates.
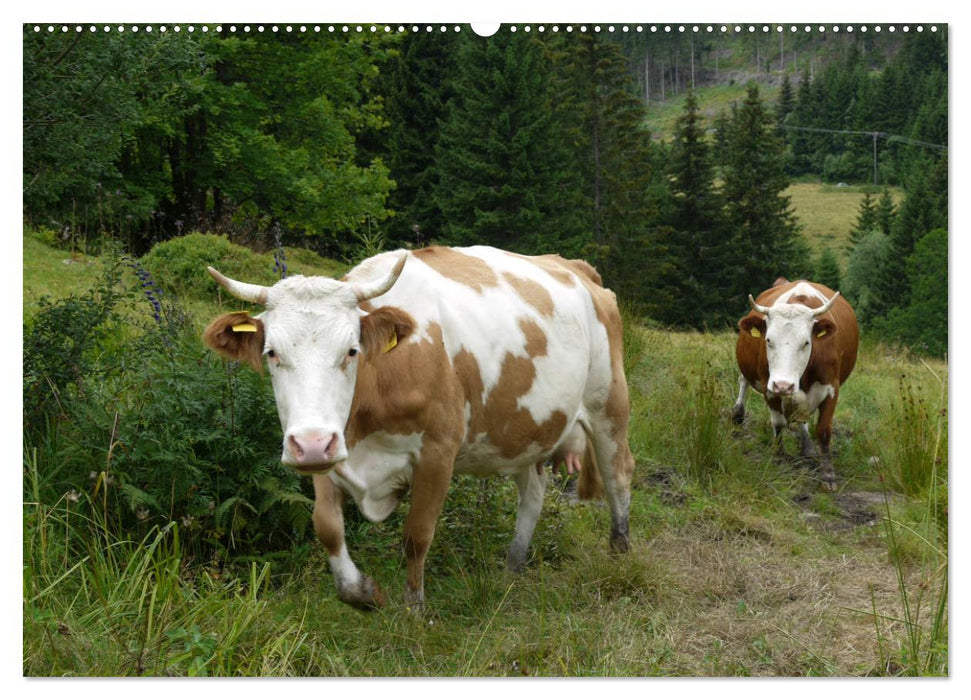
(826, 213)
(739, 566)
(712, 101)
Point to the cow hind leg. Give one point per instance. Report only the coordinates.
(532, 485)
(615, 463)
(824, 432)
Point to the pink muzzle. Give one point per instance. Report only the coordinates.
(313, 451)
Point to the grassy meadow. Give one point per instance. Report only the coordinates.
(827, 212)
(740, 565)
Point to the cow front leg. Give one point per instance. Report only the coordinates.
(353, 587)
(532, 485)
(824, 432)
(738, 411)
(429, 486)
(806, 447)
(779, 425)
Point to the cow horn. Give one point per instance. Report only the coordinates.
(369, 290)
(757, 307)
(825, 307)
(241, 290)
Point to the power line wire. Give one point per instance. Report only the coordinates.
(872, 134)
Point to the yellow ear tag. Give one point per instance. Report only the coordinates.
(244, 328)
(392, 342)
(756, 333)
(821, 333)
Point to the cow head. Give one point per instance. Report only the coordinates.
(312, 334)
(789, 331)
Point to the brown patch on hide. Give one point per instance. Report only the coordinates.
(532, 292)
(459, 267)
(507, 426)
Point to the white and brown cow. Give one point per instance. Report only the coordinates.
(797, 347)
(420, 365)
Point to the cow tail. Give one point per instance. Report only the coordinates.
(589, 485)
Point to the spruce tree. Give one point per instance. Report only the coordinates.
(699, 240)
(501, 155)
(827, 269)
(765, 238)
(619, 187)
(924, 209)
(415, 97)
(886, 213)
(785, 105)
(866, 220)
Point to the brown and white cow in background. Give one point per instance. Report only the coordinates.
(423, 364)
(797, 347)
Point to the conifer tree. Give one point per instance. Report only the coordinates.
(501, 157)
(699, 240)
(866, 220)
(415, 97)
(618, 188)
(801, 142)
(827, 269)
(886, 213)
(765, 237)
(785, 105)
(924, 209)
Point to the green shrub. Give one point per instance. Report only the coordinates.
(180, 264)
(62, 342)
(156, 429)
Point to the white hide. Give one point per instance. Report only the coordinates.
(312, 325)
(788, 339)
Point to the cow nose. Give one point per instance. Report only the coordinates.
(782, 388)
(313, 450)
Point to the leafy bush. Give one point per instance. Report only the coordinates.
(157, 429)
(62, 342)
(180, 264)
(864, 274)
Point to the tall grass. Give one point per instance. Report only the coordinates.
(705, 440)
(916, 532)
(106, 606)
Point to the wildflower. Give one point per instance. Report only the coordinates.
(72, 496)
(279, 255)
(152, 291)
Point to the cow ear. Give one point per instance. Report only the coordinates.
(237, 336)
(823, 328)
(754, 325)
(383, 329)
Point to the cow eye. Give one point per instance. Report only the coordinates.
(271, 353)
(352, 352)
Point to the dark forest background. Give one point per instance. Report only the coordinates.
(534, 141)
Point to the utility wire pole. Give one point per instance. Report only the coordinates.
(875, 135)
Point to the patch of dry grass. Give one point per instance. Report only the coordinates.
(827, 213)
